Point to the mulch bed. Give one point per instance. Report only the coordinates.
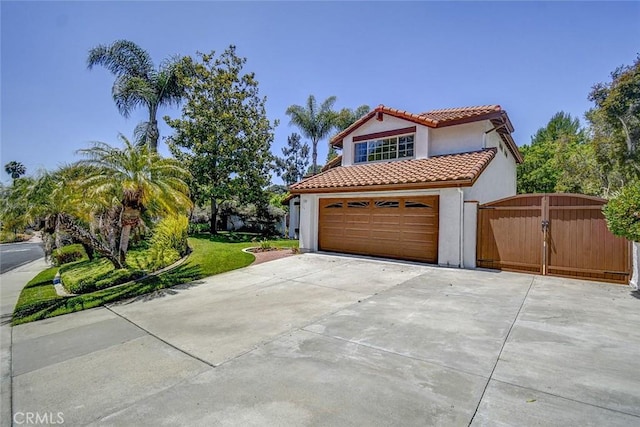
(267, 256)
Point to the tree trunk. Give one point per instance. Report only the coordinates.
(153, 135)
(314, 157)
(213, 227)
(124, 243)
(89, 250)
(152, 132)
(68, 223)
(129, 219)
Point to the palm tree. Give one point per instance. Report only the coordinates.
(138, 84)
(15, 169)
(59, 201)
(314, 123)
(139, 180)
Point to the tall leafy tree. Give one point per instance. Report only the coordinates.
(343, 119)
(224, 135)
(557, 160)
(138, 84)
(346, 117)
(15, 169)
(315, 122)
(615, 124)
(292, 165)
(137, 180)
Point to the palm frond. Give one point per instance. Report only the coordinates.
(122, 57)
(132, 92)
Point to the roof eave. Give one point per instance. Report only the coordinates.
(468, 182)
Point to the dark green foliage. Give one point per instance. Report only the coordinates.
(68, 254)
(623, 212)
(615, 126)
(346, 117)
(198, 228)
(558, 160)
(224, 135)
(292, 166)
(15, 169)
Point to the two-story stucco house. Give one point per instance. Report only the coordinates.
(408, 185)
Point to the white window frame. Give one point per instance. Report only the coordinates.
(396, 137)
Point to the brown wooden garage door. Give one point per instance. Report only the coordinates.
(395, 227)
(554, 234)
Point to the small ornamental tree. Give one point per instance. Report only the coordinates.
(623, 212)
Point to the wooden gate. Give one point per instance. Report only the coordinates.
(554, 234)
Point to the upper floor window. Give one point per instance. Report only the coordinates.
(397, 147)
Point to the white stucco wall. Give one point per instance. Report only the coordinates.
(499, 178)
(294, 217)
(470, 234)
(457, 139)
(449, 232)
(388, 123)
(308, 223)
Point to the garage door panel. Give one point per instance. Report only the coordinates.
(355, 233)
(381, 226)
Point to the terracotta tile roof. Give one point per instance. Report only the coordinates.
(453, 114)
(440, 171)
(433, 118)
(335, 162)
(442, 118)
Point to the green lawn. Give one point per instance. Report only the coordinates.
(211, 255)
(39, 292)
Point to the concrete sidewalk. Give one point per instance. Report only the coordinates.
(11, 284)
(332, 340)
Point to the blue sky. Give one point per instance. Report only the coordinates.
(534, 59)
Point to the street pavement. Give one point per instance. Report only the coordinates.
(14, 255)
(327, 340)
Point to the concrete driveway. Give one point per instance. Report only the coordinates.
(330, 340)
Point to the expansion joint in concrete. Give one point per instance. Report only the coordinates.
(568, 398)
(160, 339)
(504, 342)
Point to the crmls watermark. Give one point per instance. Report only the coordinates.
(38, 418)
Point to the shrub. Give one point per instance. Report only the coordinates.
(265, 245)
(169, 241)
(67, 254)
(198, 228)
(89, 276)
(623, 212)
